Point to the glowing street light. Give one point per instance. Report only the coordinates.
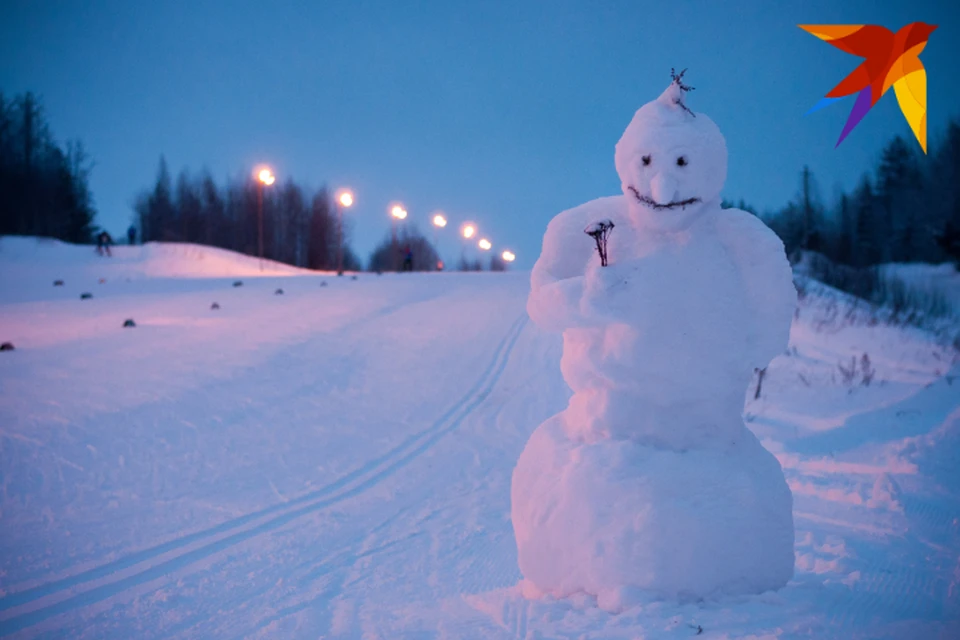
(468, 231)
(439, 222)
(265, 178)
(398, 212)
(484, 244)
(508, 256)
(344, 201)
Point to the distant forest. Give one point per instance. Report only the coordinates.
(299, 226)
(43, 186)
(906, 210)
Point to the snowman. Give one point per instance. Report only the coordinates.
(648, 484)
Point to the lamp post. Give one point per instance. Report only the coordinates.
(467, 231)
(264, 178)
(484, 244)
(344, 201)
(397, 212)
(439, 222)
(508, 256)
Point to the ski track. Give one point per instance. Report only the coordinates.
(262, 521)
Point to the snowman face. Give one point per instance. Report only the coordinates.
(670, 165)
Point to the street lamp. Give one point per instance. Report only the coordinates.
(467, 231)
(484, 244)
(397, 212)
(439, 222)
(508, 256)
(344, 201)
(266, 178)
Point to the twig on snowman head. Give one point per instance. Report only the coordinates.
(599, 231)
(678, 80)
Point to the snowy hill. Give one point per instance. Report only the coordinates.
(336, 461)
(29, 263)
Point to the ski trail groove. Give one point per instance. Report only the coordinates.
(264, 520)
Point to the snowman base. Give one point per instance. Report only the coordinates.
(624, 521)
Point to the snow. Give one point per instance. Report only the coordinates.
(336, 462)
(33, 264)
(649, 482)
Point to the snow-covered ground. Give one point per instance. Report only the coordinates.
(336, 461)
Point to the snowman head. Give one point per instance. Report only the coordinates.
(671, 162)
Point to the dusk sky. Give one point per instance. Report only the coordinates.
(503, 113)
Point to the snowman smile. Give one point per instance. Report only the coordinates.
(657, 206)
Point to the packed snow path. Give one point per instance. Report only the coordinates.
(335, 461)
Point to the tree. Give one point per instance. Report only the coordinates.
(425, 256)
(43, 187)
(299, 228)
(899, 193)
(157, 217)
(868, 247)
(945, 187)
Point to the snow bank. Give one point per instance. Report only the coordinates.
(29, 265)
(154, 259)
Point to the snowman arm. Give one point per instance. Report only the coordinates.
(556, 283)
(759, 257)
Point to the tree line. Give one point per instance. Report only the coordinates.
(300, 226)
(906, 210)
(43, 186)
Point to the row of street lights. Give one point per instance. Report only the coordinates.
(344, 200)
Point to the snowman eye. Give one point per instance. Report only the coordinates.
(646, 160)
(682, 161)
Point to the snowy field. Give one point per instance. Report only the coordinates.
(336, 461)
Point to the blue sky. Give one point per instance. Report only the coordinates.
(504, 113)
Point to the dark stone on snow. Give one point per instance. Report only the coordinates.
(238, 283)
(129, 323)
(58, 283)
(278, 292)
(323, 283)
(6, 346)
(353, 277)
(215, 306)
(86, 296)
